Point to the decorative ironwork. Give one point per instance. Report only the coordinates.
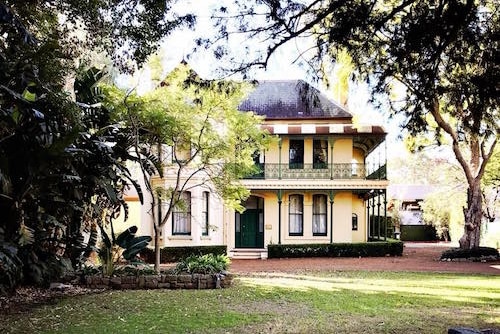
(319, 171)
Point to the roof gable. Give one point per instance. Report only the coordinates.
(289, 99)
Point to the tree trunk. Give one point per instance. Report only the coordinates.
(473, 215)
(157, 248)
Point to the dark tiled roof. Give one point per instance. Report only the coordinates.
(291, 99)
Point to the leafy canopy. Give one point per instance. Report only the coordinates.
(199, 126)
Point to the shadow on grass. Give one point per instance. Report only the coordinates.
(314, 302)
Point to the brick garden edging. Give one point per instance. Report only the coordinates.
(162, 281)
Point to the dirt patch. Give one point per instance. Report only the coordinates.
(416, 257)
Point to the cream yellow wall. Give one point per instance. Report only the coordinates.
(196, 238)
(358, 207)
(270, 218)
(134, 217)
(307, 236)
(342, 214)
(272, 153)
(345, 203)
(358, 155)
(342, 150)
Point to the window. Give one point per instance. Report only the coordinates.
(296, 154)
(181, 215)
(204, 210)
(319, 215)
(296, 215)
(258, 162)
(354, 222)
(320, 154)
(181, 152)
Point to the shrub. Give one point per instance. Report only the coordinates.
(134, 270)
(365, 249)
(174, 254)
(10, 269)
(418, 233)
(474, 254)
(203, 264)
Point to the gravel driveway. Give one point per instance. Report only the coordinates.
(416, 257)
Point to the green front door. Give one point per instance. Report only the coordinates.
(250, 229)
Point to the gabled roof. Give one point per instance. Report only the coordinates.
(291, 99)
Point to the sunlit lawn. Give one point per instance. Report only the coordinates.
(321, 302)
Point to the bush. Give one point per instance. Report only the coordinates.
(203, 264)
(175, 254)
(365, 249)
(10, 269)
(474, 254)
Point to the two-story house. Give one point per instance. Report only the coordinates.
(320, 182)
(317, 182)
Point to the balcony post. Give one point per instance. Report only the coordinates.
(280, 200)
(331, 196)
(280, 142)
(378, 214)
(331, 142)
(385, 212)
(373, 213)
(368, 227)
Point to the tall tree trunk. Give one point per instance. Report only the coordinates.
(473, 215)
(157, 247)
(474, 171)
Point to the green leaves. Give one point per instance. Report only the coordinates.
(203, 264)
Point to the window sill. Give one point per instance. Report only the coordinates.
(180, 237)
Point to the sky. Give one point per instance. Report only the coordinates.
(180, 44)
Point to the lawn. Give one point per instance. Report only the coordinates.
(312, 302)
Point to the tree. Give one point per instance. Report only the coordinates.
(128, 31)
(443, 53)
(60, 158)
(197, 124)
(491, 182)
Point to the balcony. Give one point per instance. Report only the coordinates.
(320, 171)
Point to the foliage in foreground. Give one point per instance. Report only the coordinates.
(175, 254)
(203, 264)
(193, 127)
(321, 302)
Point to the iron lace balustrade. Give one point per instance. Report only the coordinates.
(318, 171)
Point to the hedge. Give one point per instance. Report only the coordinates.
(175, 254)
(418, 233)
(478, 253)
(364, 249)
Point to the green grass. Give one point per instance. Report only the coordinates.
(311, 302)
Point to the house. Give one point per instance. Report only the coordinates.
(405, 206)
(320, 182)
(408, 198)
